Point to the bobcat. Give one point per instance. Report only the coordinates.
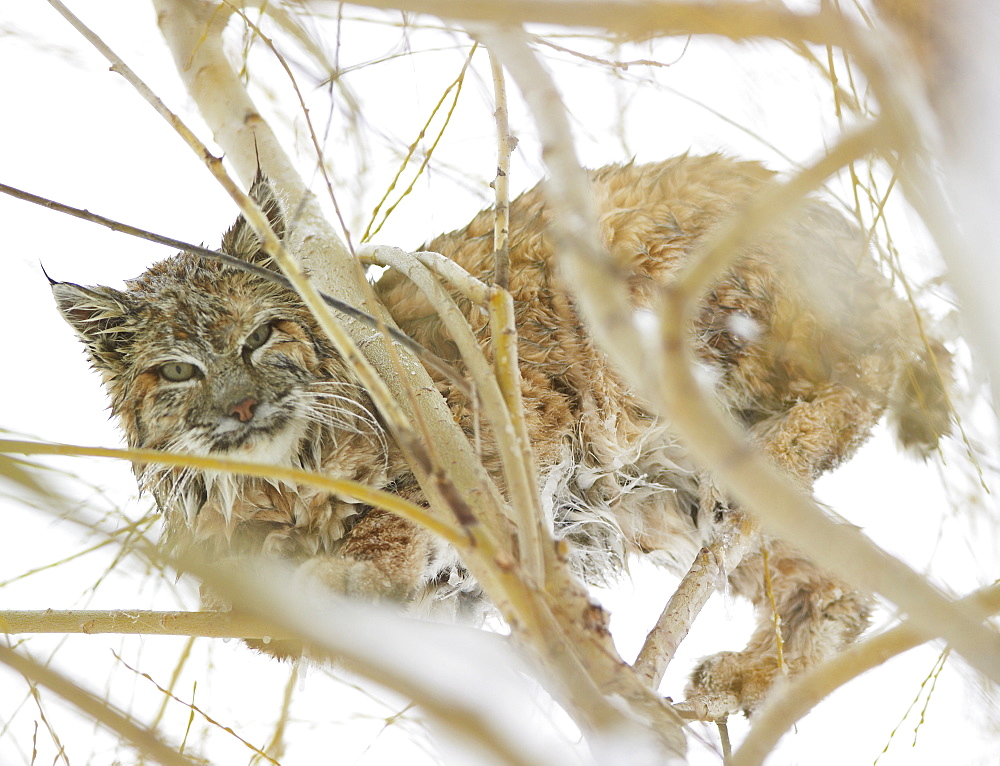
(804, 338)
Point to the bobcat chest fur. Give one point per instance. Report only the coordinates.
(804, 340)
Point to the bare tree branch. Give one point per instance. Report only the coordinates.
(501, 184)
(711, 566)
(221, 624)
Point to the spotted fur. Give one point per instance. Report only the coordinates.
(804, 339)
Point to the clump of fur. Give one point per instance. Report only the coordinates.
(920, 412)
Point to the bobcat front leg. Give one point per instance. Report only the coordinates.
(384, 557)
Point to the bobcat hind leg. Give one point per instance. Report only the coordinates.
(814, 613)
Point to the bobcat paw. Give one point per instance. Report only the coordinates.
(357, 578)
(741, 677)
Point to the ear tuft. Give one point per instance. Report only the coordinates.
(241, 241)
(100, 317)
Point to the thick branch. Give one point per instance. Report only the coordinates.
(711, 566)
(640, 20)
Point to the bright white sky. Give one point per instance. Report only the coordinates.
(77, 133)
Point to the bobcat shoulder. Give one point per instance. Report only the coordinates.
(806, 342)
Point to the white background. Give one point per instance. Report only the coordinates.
(75, 132)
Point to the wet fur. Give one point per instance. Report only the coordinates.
(804, 338)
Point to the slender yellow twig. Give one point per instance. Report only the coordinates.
(929, 679)
(90, 549)
(779, 640)
(365, 494)
(194, 708)
(456, 85)
(174, 677)
(277, 743)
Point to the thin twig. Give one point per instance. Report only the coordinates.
(91, 705)
(731, 541)
(277, 743)
(195, 709)
(779, 639)
(501, 184)
(456, 85)
(362, 492)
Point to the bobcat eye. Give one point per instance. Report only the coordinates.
(177, 372)
(258, 337)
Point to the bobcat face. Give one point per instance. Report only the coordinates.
(236, 387)
(200, 358)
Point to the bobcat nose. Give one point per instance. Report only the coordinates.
(243, 410)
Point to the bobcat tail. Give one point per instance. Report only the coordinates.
(920, 411)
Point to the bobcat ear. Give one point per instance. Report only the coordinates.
(241, 241)
(100, 316)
